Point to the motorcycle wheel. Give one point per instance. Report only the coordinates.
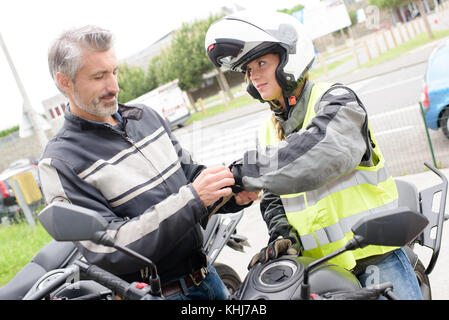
(423, 280)
(229, 277)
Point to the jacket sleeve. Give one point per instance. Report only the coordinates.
(192, 170)
(332, 145)
(273, 214)
(152, 234)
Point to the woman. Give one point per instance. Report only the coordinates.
(316, 151)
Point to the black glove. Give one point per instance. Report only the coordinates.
(275, 249)
(235, 168)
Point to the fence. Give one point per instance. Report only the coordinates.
(406, 143)
(380, 42)
(401, 132)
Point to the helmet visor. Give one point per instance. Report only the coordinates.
(224, 52)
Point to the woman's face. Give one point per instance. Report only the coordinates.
(261, 73)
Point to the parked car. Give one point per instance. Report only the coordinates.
(24, 162)
(21, 166)
(8, 204)
(435, 92)
(9, 207)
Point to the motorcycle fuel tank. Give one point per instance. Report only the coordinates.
(281, 279)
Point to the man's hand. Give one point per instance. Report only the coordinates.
(246, 197)
(211, 184)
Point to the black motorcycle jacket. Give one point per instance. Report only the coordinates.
(138, 178)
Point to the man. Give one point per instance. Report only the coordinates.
(123, 162)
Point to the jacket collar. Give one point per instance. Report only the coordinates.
(297, 113)
(134, 112)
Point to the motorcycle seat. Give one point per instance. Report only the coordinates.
(52, 256)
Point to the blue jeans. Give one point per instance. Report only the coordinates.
(396, 269)
(211, 288)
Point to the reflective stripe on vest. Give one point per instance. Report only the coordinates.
(323, 218)
(337, 231)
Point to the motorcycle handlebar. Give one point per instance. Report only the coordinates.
(108, 280)
(122, 288)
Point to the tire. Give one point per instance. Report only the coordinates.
(229, 277)
(444, 122)
(423, 280)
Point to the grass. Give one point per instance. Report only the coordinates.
(318, 72)
(18, 244)
(217, 97)
(240, 101)
(412, 44)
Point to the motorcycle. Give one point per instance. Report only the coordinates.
(288, 277)
(54, 260)
(291, 277)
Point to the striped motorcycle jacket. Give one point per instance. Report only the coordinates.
(138, 178)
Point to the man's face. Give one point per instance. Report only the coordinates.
(95, 88)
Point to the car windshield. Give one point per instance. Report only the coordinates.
(438, 70)
(20, 163)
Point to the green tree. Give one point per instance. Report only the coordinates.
(166, 69)
(292, 10)
(189, 58)
(132, 82)
(385, 4)
(152, 75)
(185, 59)
(8, 131)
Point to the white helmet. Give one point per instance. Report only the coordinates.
(235, 40)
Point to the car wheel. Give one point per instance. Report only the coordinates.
(444, 122)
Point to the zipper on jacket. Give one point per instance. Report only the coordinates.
(125, 136)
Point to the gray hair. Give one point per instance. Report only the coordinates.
(65, 53)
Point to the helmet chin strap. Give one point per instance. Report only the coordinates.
(292, 98)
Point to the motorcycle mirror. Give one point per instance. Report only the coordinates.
(69, 222)
(396, 227)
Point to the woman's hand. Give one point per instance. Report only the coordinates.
(245, 197)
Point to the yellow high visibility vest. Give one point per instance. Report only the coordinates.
(323, 218)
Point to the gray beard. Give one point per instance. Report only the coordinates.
(97, 108)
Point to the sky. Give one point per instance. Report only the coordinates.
(29, 26)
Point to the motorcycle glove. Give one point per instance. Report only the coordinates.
(275, 249)
(235, 168)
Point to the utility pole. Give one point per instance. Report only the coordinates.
(27, 109)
